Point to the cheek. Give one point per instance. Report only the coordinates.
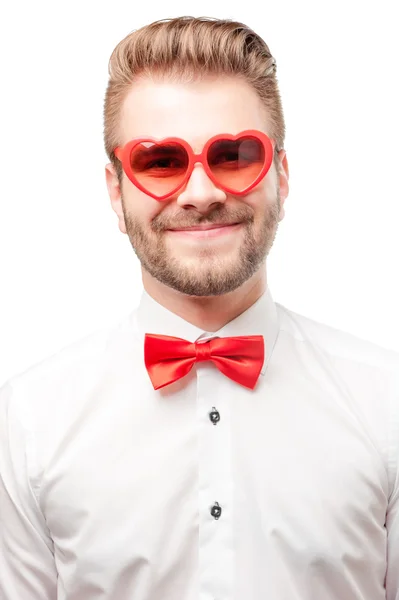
(267, 192)
(140, 206)
(263, 203)
(259, 199)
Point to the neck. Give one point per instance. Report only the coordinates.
(209, 313)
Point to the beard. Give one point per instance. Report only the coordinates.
(204, 271)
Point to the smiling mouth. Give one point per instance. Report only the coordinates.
(203, 227)
(208, 231)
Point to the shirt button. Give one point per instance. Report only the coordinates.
(214, 415)
(216, 511)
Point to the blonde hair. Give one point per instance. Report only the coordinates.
(185, 48)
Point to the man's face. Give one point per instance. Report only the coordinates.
(198, 264)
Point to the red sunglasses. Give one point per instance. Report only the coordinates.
(160, 168)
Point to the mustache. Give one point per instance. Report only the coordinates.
(183, 220)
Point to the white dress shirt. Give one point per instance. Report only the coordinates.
(204, 489)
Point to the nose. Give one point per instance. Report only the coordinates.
(200, 191)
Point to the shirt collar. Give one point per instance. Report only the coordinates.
(259, 319)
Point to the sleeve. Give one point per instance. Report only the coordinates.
(392, 520)
(27, 566)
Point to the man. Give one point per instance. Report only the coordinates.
(214, 445)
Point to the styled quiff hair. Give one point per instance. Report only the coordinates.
(184, 49)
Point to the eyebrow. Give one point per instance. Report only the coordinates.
(164, 149)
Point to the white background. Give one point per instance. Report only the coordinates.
(66, 270)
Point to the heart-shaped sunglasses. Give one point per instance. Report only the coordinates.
(160, 168)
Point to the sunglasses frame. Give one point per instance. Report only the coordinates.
(123, 154)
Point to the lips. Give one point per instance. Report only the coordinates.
(205, 233)
(203, 227)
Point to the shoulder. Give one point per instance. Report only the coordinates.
(58, 382)
(336, 343)
(362, 376)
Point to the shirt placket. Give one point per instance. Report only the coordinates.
(216, 551)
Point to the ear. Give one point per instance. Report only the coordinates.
(283, 177)
(115, 195)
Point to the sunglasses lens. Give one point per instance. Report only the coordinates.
(159, 168)
(236, 164)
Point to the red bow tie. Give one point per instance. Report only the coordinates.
(169, 358)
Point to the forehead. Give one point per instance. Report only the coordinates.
(194, 111)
